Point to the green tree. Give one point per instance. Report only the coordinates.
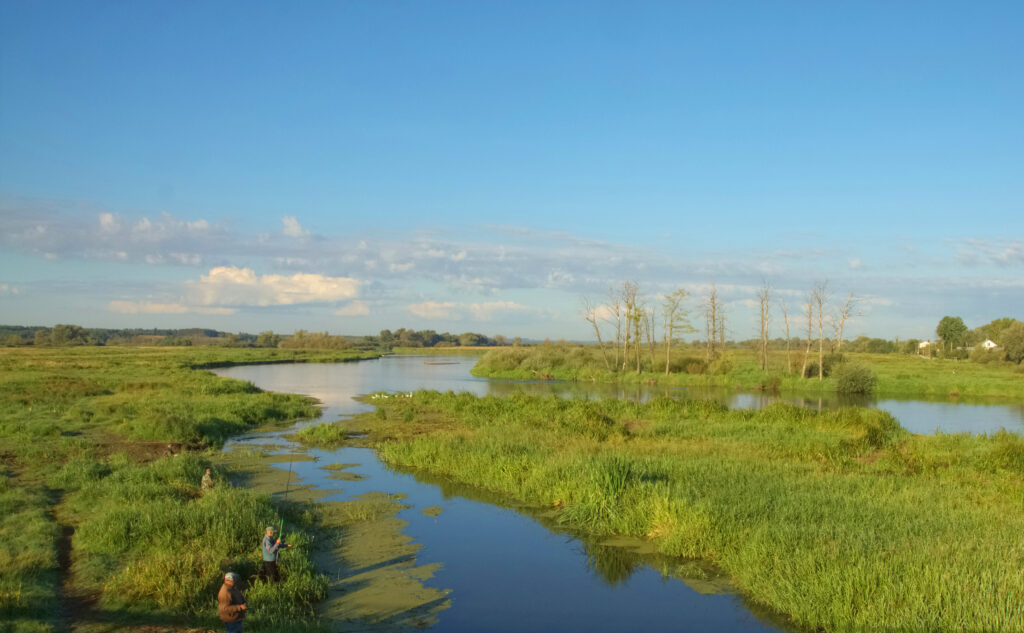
(995, 329)
(951, 330)
(1012, 342)
(267, 339)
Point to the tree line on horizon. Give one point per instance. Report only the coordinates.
(69, 335)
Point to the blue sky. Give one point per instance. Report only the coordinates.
(353, 166)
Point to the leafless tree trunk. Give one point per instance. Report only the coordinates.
(809, 310)
(764, 296)
(847, 312)
(675, 319)
(712, 316)
(785, 319)
(615, 302)
(820, 295)
(630, 306)
(638, 328)
(590, 314)
(628, 297)
(649, 325)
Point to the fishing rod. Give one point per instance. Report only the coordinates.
(291, 459)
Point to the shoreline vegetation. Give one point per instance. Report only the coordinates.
(881, 374)
(102, 522)
(840, 520)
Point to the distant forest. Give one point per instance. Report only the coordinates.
(75, 335)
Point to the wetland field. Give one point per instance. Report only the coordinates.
(777, 517)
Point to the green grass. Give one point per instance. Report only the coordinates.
(79, 430)
(840, 520)
(895, 374)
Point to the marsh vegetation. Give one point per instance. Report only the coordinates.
(101, 516)
(841, 520)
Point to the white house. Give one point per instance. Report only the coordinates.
(924, 344)
(989, 344)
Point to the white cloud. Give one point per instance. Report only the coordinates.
(486, 311)
(855, 263)
(401, 268)
(152, 307)
(353, 308)
(146, 307)
(559, 278)
(292, 228)
(434, 310)
(1001, 252)
(198, 225)
(188, 259)
(6, 289)
(458, 257)
(603, 313)
(228, 285)
(108, 222)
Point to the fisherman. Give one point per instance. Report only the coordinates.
(270, 551)
(207, 481)
(231, 604)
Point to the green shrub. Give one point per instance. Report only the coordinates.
(852, 378)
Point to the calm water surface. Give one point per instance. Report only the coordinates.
(510, 571)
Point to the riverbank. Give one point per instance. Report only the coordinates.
(102, 523)
(895, 374)
(840, 520)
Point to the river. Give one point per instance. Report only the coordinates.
(506, 569)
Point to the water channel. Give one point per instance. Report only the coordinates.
(507, 569)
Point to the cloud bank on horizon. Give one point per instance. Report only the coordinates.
(513, 280)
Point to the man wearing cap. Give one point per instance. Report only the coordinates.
(270, 547)
(231, 605)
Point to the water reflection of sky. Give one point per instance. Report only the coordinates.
(337, 384)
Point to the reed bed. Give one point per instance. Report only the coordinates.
(840, 520)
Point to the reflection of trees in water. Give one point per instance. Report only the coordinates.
(613, 564)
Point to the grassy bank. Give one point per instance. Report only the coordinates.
(102, 444)
(896, 374)
(840, 520)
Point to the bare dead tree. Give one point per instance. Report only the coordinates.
(712, 319)
(590, 314)
(848, 311)
(809, 311)
(785, 319)
(649, 327)
(629, 296)
(615, 306)
(821, 297)
(674, 320)
(764, 297)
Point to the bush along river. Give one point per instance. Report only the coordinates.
(430, 553)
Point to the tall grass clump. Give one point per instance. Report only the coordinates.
(854, 378)
(148, 540)
(841, 520)
(323, 435)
